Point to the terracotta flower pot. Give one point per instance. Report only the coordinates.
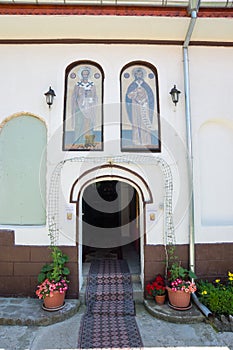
(56, 301)
(178, 298)
(160, 299)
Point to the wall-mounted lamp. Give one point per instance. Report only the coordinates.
(50, 96)
(175, 94)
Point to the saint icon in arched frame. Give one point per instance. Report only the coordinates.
(83, 107)
(140, 123)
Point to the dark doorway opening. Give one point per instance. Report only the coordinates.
(110, 214)
(93, 199)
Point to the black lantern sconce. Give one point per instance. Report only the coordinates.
(50, 96)
(175, 95)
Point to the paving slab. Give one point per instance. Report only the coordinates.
(29, 312)
(156, 333)
(169, 314)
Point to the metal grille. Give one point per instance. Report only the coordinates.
(53, 204)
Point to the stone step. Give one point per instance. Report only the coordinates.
(134, 278)
(137, 293)
(169, 314)
(29, 312)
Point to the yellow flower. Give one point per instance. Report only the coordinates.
(204, 292)
(230, 274)
(230, 278)
(217, 281)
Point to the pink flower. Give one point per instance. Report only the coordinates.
(46, 288)
(186, 286)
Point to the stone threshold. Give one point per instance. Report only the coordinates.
(29, 312)
(166, 313)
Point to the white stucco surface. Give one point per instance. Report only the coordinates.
(28, 70)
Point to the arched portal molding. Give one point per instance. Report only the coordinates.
(111, 172)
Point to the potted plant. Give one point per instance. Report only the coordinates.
(180, 282)
(157, 289)
(53, 282)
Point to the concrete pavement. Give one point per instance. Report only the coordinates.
(155, 332)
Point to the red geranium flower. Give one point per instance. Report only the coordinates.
(157, 287)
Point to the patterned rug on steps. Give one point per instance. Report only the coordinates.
(109, 321)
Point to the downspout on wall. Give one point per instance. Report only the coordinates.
(193, 11)
(189, 131)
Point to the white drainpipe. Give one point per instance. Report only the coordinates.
(189, 132)
(194, 11)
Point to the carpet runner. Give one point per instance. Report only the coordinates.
(109, 321)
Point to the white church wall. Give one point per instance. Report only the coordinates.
(27, 71)
(216, 142)
(212, 121)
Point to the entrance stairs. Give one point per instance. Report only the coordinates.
(136, 283)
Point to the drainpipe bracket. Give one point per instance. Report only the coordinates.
(193, 6)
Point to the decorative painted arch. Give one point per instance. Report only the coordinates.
(111, 172)
(20, 114)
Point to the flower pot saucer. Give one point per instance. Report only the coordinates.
(53, 308)
(180, 308)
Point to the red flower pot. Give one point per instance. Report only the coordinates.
(55, 301)
(160, 299)
(178, 298)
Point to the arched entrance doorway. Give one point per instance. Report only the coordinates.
(111, 223)
(113, 169)
(125, 177)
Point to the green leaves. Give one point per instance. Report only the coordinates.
(66, 271)
(41, 277)
(177, 271)
(218, 297)
(174, 268)
(56, 270)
